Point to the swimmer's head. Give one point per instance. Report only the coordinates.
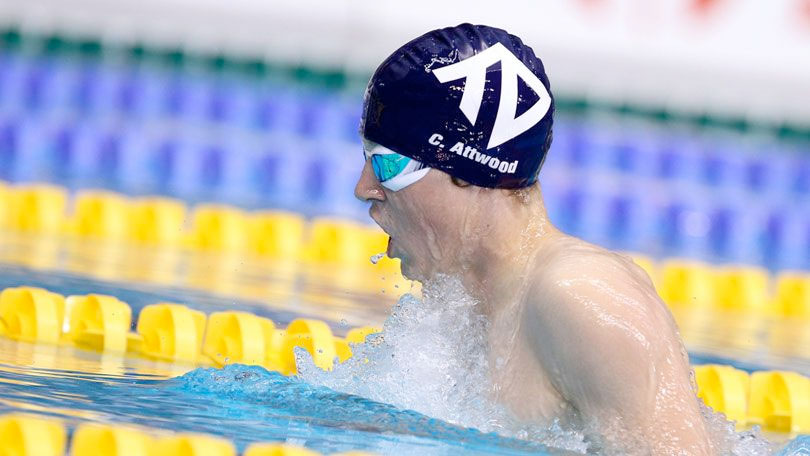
(472, 101)
(453, 122)
(435, 221)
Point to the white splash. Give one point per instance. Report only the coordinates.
(376, 258)
(432, 358)
(731, 443)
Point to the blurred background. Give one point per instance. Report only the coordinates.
(205, 152)
(682, 127)
(218, 140)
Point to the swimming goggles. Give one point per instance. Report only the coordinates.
(394, 171)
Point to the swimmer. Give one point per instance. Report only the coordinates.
(456, 125)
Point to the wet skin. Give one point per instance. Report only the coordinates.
(577, 332)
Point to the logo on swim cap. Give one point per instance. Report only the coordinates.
(474, 70)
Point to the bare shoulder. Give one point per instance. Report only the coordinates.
(594, 313)
(572, 265)
(612, 348)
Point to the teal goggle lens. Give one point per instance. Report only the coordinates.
(388, 166)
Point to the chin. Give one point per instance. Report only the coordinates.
(410, 272)
(406, 266)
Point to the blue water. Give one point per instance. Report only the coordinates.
(244, 404)
(241, 403)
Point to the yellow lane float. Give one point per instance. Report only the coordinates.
(193, 445)
(31, 314)
(98, 322)
(28, 435)
(109, 440)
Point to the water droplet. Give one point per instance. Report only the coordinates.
(376, 258)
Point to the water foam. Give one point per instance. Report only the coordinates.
(432, 358)
(422, 362)
(729, 442)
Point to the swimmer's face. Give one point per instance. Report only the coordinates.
(424, 220)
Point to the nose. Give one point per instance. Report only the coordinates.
(368, 187)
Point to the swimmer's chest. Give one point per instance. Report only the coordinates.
(522, 384)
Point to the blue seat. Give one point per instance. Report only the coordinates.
(211, 165)
(630, 215)
(571, 207)
(61, 160)
(600, 146)
(146, 160)
(772, 242)
(683, 224)
(176, 96)
(738, 227)
(150, 95)
(9, 62)
(127, 92)
(9, 142)
(554, 180)
(786, 238)
(33, 87)
(109, 156)
(799, 177)
(83, 155)
(569, 146)
(352, 112)
(626, 156)
(722, 165)
(578, 202)
(320, 119)
(759, 174)
(163, 162)
(279, 173)
(198, 168)
(14, 74)
(46, 86)
(279, 112)
(27, 142)
(335, 172)
(83, 87)
(676, 158)
(230, 103)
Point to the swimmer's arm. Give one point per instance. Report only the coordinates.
(605, 359)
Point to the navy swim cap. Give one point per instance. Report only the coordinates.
(471, 100)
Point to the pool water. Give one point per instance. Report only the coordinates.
(246, 403)
(242, 403)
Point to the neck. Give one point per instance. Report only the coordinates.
(507, 238)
